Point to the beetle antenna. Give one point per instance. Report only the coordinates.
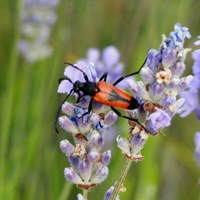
(65, 78)
(134, 73)
(60, 107)
(74, 66)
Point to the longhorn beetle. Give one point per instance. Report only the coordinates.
(103, 92)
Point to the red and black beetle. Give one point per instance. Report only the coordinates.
(104, 93)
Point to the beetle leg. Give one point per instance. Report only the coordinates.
(129, 118)
(104, 77)
(80, 97)
(89, 108)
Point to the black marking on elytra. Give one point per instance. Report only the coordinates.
(132, 104)
(114, 96)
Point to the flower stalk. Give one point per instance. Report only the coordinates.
(121, 178)
(85, 194)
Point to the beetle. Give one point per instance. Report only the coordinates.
(104, 93)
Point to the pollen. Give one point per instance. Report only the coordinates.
(164, 76)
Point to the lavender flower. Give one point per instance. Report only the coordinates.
(192, 95)
(132, 147)
(162, 82)
(106, 61)
(80, 197)
(88, 165)
(37, 19)
(197, 147)
(109, 192)
(158, 92)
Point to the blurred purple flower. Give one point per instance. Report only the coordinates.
(106, 61)
(197, 147)
(37, 19)
(80, 197)
(109, 193)
(192, 95)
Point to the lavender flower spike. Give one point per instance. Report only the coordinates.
(197, 147)
(157, 94)
(192, 95)
(88, 164)
(192, 98)
(162, 82)
(80, 197)
(37, 19)
(109, 193)
(132, 147)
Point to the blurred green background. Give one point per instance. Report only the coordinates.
(31, 163)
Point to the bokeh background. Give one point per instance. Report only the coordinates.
(31, 163)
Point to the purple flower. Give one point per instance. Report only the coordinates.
(178, 36)
(37, 19)
(72, 176)
(157, 120)
(132, 147)
(192, 98)
(197, 147)
(88, 164)
(191, 102)
(80, 197)
(106, 156)
(157, 93)
(66, 147)
(74, 75)
(109, 193)
(73, 123)
(100, 173)
(192, 95)
(106, 61)
(162, 82)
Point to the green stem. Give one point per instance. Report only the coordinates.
(85, 194)
(121, 178)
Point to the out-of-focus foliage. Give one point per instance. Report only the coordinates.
(31, 163)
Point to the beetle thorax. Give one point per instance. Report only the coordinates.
(89, 88)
